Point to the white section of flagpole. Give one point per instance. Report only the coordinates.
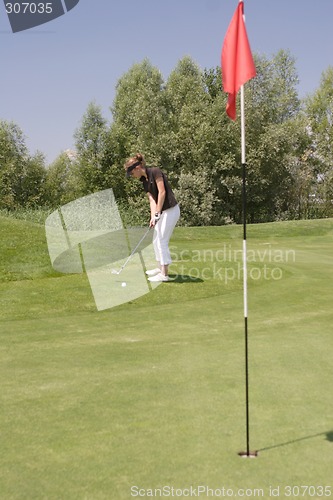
(245, 279)
(244, 201)
(243, 123)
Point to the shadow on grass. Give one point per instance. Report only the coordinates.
(329, 437)
(184, 278)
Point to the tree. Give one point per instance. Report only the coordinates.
(275, 137)
(140, 108)
(194, 143)
(140, 123)
(62, 183)
(21, 175)
(182, 126)
(90, 140)
(33, 181)
(319, 112)
(197, 201)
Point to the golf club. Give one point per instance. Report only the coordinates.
(131, 255)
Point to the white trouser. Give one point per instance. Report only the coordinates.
(162, 234)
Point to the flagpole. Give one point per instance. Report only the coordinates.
(237, 68)
(245, 301)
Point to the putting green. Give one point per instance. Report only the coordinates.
(150, 394)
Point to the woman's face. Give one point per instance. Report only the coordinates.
(137, 172)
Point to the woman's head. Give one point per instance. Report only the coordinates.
(135, 165)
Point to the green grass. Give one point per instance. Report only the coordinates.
(151, 393)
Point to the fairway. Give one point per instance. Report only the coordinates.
(150, 394)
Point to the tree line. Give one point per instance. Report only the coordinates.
(181, 125)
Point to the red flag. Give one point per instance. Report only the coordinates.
(236, 59)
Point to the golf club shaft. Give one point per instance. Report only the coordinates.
(134, 250)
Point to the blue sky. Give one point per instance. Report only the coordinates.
(50, 74)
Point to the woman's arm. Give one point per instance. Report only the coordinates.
(161, 194)
(152, 210)
(156, 207)
(152, 203)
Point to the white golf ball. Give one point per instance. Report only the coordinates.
(123, 283)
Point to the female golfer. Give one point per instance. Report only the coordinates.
(164, 211)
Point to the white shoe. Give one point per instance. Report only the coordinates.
(153, 272)
(158, 277)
